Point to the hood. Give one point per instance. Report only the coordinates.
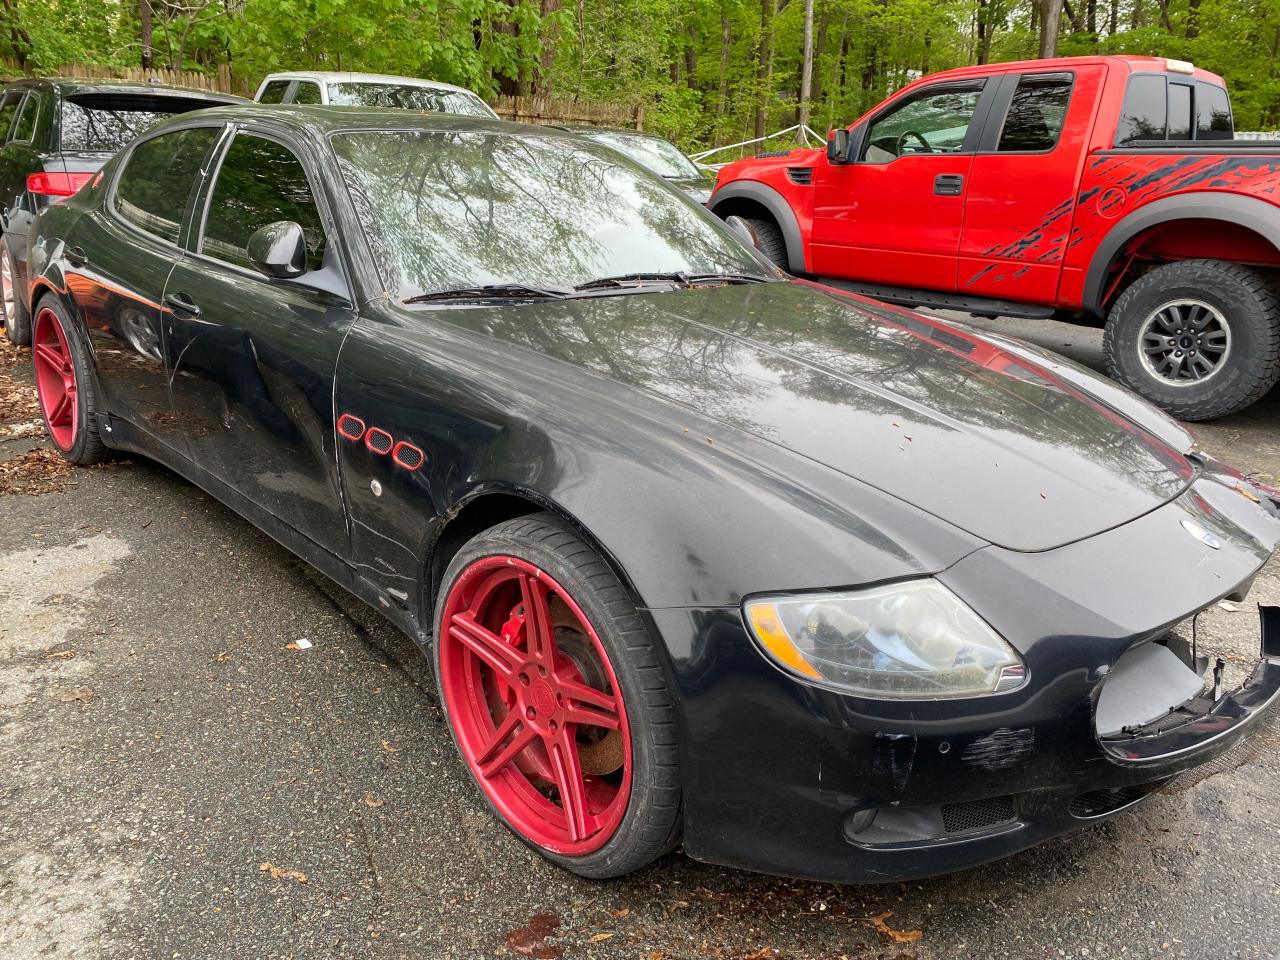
(944, 419)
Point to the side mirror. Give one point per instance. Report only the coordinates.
(742, 229)
(279, 250)
(838, 146)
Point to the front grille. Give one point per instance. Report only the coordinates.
(1097, 803)
(977, 814)
(800, 176)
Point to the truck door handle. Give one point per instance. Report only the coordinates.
(948, 184)
(75, 256)
(181, 304)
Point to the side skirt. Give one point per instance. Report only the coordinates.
(910, 297)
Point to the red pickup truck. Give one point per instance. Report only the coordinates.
(1103, 190)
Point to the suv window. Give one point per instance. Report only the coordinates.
(1213, 113)
(307, 92)
(25, 128)
(105, 122)
(8, 109)
(1037, 112)
(273, 92)
(935, 120)
(260, 182)
(153, 187)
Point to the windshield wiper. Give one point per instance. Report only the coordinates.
(683, 279)
(494, 291)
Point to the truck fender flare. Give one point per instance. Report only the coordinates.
(1256, 215)
(778, 208)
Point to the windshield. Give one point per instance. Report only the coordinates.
(663, 158)
(446, 209)
(408, 97)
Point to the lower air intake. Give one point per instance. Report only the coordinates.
(1097, 803)
(977, 814)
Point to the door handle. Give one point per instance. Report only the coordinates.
(75, 256)
(948, 184)
(181, 304)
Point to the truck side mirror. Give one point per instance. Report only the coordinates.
(838, 146)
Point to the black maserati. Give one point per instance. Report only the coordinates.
(700, 553)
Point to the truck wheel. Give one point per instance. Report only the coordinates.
(1198, 338)
(769, 240)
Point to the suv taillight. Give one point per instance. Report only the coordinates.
(57, 184)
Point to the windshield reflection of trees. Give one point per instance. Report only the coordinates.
(447, 209)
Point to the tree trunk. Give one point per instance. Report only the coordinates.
(18, 37)
(1050, 25)
(984, 32)
(764, 67)
(1164, 15)
(550, 36)
(691, 58)
(1077, 24)
(722, 102)
(1113, 23)
(1193, 19)
(806, 71)
(1091, 17)
(144, 33)
(819, 48)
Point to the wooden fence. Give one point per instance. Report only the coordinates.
(224, 80)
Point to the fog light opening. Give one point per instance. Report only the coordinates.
(860, 821)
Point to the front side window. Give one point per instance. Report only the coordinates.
(259, 182)
(307, 92)
(407, 97)
(152, 190)
(1145, 111)
(25, 129)
(444, 210)
(1037, 113)
(933, 121)
(8, 110)
(274, 92)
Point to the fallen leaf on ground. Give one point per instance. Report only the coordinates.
(600, 937)
(60, 655)
(280, 873)
(619, 914)
(389, 748)
(372, 802)
(897, 936)
(764, 953)
(77, 693)
(34, 473)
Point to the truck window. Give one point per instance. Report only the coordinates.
(1213, 113)
(1036, 113)
(307, 92)
(1144, 114)
(273, 92)
(1179, 111)
(935, 120)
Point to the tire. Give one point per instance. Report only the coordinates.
(1232, 312)
(770, 241)
(17, 321)
(628, 778)
(64, 385)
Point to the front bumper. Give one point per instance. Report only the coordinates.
(779, 774)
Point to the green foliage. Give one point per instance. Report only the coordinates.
(695, 65)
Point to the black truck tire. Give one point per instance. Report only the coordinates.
(1198, 338)
(769, 240)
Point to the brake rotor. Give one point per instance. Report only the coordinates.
(600, 751)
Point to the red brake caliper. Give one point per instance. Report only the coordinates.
(533, 759)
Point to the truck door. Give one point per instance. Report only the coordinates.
(1022, 187)
(893, 215)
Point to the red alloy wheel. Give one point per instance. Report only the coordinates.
(535, 705)
(55, 379)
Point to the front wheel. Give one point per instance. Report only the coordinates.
(1198, 338)
(556, 700)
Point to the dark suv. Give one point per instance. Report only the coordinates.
(56, 134)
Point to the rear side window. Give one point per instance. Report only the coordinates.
(8, 110)
(1180, 111)
(27, 117)
(260, 182)
(1213, 113)
(1036, 113)
(273, 92)
(1144, 115)
(105, 122)
(153, 188)
(307, 92)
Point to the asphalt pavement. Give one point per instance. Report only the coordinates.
(209, 751)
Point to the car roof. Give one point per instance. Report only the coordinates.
(73, 85)
(1134, 62)
(343, 76)
(324, 119)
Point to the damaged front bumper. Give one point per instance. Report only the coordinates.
(791, 779)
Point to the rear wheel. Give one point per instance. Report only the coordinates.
(17, 322)
(554, 694)
(64, 386)
(1199, 338)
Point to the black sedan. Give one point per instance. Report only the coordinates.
(700, 554)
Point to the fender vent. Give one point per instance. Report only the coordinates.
(379, 441)
(773, 153)
(1097, 803)
(407, 455)
(800, 176)
(977, 814)
(350, 427)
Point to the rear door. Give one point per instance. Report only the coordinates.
(894, 215)
(254, 357)
(1022, 187)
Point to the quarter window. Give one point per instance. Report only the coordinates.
(1036, 113)
(1213, 113)
(933, 121)
(25, 129)
(273, 92)
(260, 182)
(153, 188)
(307, 93)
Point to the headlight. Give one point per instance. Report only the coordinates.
(911, 640)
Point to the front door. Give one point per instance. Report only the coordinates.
(894, 215)
(254, 357)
